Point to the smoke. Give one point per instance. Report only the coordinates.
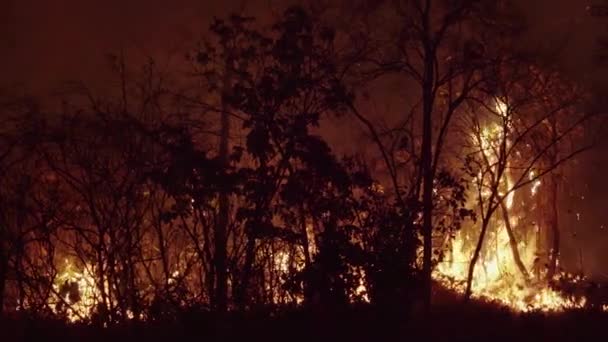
(46, 42)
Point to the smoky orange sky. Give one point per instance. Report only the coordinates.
(45, 42)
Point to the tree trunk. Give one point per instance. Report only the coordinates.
(307, 255)
(513, 242)
(553, 227)
(249, 259)
(475, 258)
(484, 228)
(552, 215)
(427, 228)
(221, 229)
(3, 272)
(306, 243)
(220, 257)
(426, 160)
(101, 280)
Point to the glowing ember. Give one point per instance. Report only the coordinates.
(361, 290)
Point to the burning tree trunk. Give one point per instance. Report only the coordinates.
(305, 240)
(513, 241)
(484, 228)
(492, 165)
(552, 225)
(495, 170)
(552, 212)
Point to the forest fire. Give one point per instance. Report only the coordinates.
(515, 279)
(498, 278)
(406, 168)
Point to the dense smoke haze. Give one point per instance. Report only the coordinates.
(44, 43)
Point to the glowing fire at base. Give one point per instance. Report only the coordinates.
(76, 293)
(497, 278)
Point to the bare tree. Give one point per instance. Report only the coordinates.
(442, 50)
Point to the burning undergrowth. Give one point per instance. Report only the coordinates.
(507, 257)
(320, 238)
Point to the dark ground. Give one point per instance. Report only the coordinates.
(473, 322)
